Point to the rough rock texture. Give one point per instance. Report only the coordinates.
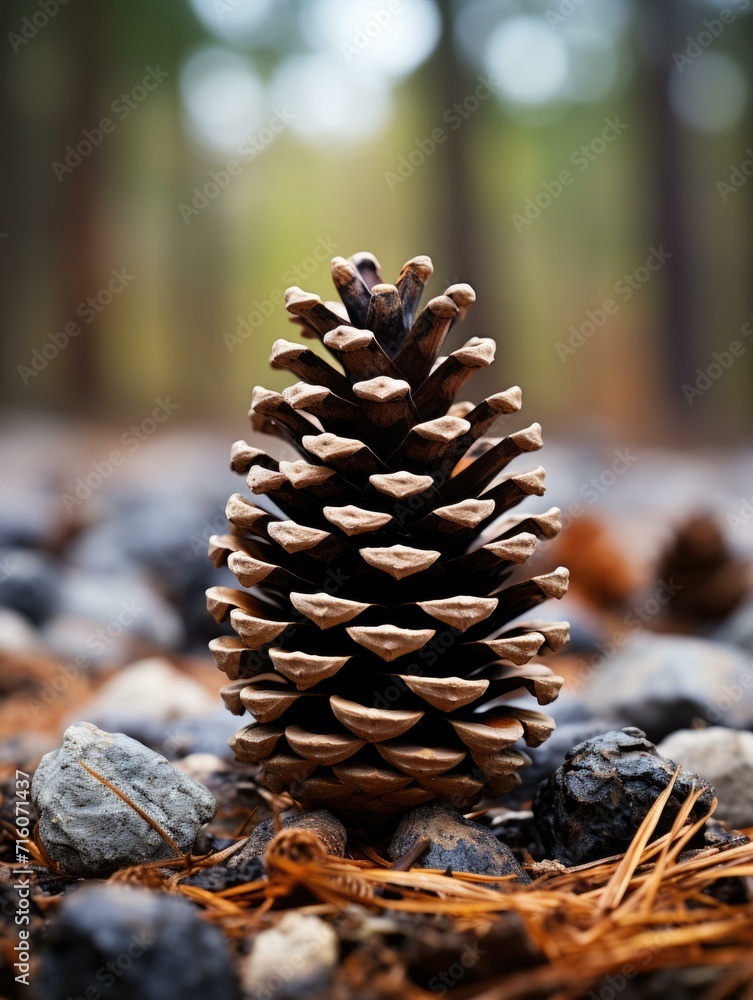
(327, 827)
(663, 683)
(456, 843)
(547, 758)
(121, 942)
(593, 804)
(725, 758)
(295, 958)
(88, 828)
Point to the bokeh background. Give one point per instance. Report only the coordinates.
(170, 168)
(363, 84)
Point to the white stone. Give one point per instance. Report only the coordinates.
(89, 828)
(298, 949)
(16, 635)
(724, 757)
(150, 690)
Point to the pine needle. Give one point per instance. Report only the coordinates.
(136, 808)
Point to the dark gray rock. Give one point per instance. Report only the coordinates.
(456, 843)
(121, 602)
(662, 683)
(327, 827)
(221, 876)
(594, 803)
(547, 758)
(723, 757)
(29, 583)
(88, 828)
(121, 943)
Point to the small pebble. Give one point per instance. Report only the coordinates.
(456, 843)
(295, 958)
(147, 691)
(88, 828)
(327, 827)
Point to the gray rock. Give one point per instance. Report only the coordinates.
(121, 602)
(88, 828)
(663, 683)
(206, 733)
(327, 827)
(122, 942)
(295, 958)
(79, 640)
(593, 804)
(29, 583)
(723, 757)
(456, 843)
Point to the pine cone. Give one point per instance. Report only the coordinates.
(378, 623)
(708, 581)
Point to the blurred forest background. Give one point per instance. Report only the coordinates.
(169, 168)
(327, 109)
